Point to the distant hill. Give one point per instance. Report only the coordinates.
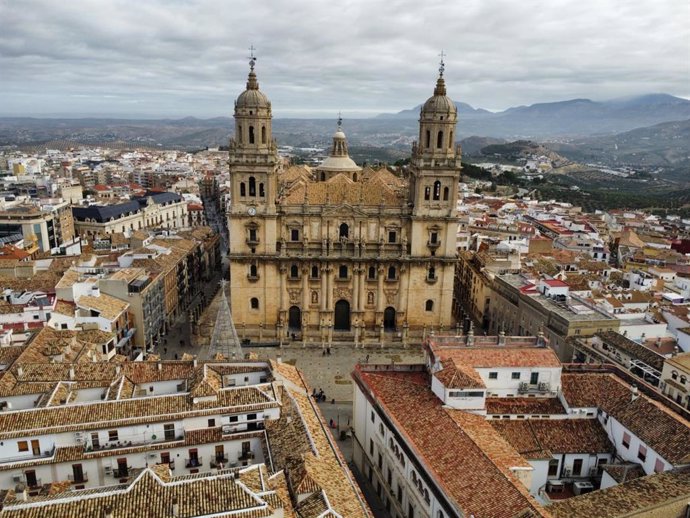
(464, 109)
(472, 146)
(575, 117)
(663, 145)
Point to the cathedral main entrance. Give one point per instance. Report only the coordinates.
(389, 319)
(294, 318)
(342, 316)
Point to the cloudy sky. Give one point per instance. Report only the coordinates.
(189, 57)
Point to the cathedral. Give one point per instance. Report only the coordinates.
(340, 253)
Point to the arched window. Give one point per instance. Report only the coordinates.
(450, 140)
(391, 273)
(314, 272)
(446, 193)
(429, 305)
(439, 140)
(427, 193)
(342, 271)
(251, 134)
(437, 190)
(344, 230)
(262, 194)
(294, 271)
(372, 272)
(432, 273)
(252, 186)
(428, 138)
(239, 134)
(252, 270)
(263, 134)
(254, 303)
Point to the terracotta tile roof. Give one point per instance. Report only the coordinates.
(554, 435)
(456, 462)
(458, 375)
(654, 423)
(629, 499)
(634, 349)
(341, 190)
(525, 406)
(499, 356)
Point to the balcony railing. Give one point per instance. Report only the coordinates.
(28, 458)
(194, 462)
(133, 444)
(122, 472)
(219, 460)
(84, 477)
(246, 455)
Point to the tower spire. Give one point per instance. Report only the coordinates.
(440, 82)
(252, 83)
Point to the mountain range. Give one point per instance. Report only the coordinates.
(571, 118)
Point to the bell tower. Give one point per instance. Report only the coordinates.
(435, 163)
(253, 157)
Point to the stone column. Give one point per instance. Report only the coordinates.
(379, 295)
(324, 288)
(355, 287)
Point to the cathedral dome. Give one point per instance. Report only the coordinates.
(252, 97)
(339, 159)
(439, 103)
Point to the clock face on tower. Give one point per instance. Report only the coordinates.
(251, 211)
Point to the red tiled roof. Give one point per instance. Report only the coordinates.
(477, 485)
(498, 356)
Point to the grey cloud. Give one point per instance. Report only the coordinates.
(178, 58)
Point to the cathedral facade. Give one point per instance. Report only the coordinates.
(337, 252)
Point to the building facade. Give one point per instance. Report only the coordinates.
(341, 253)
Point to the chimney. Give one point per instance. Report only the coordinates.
(195, 362)
(118, 369)
(71, 372)
(634, 393)
(175, 507)
(108, 511)
(541, 342)
(502, 338)
(470, 334)
(160, 366)
(20, 371)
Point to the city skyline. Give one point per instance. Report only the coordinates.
(153, 60)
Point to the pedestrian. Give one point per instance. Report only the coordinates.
(176, 356)
(328, 351)
(323, 352)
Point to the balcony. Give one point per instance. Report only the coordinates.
(219, 460)
(80, 479)
(122, 472)
(433, 244)
(194, 462)
(28, 458)
(246, 456)
(116, 445)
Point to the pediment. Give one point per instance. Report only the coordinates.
(343, 209)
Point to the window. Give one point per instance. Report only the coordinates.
(252, 234)
(23, 446)
(626, 439)
(234, 418)
(342, 271)
(165, 457)
(112, 435)
(446, 193)
(251, 134)
(429, 305)
(211, 423)
(294, 271)
(263, 134)
(433, 238)
(658, 466)
(372, 272)
(642, 453)
(372, 417)
(262, 193)
(243, 189)
(493, 375)
(252, 186)
(169, 431)
(534, 378)
(437, 190)
(465, 393)
(371, 446)
(577, 467)
(410, 511)
(380, 428)
(314, 272)
(389, 478)
(674, 375)
(431, 274)
(683, 379)
(515, 376)
(427, 193)
(253, 271)
(294, 234)
(254, 303)
(344, 230)
(392, 236)
(553, 468)
(391, 273)
(399, 494)
(439, 140)
(380, 461)
(428, 139)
